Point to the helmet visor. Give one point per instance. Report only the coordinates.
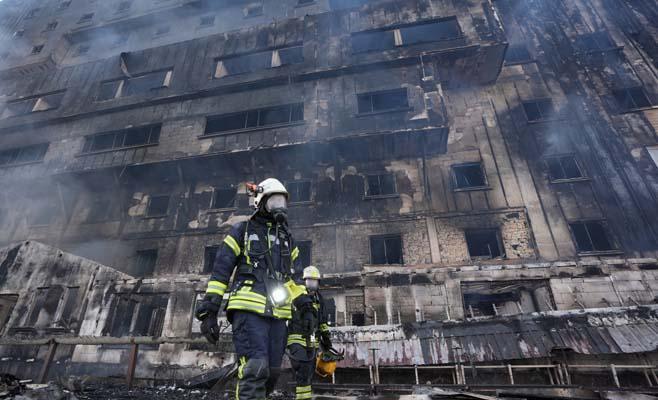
(312, 284)
(276, 202)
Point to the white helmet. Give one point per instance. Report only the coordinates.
(311, 272)
(267, 188)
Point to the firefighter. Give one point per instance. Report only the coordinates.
(261, 255)
(306, 333)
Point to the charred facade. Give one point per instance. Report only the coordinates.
(447, 160)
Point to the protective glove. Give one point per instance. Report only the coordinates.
(325, 341)
(207, 312)
(308, 314)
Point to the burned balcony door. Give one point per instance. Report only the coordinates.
(486, 298)
(136, 314)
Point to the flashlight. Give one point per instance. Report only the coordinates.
(279, 295)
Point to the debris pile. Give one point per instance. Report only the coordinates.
(10, 386)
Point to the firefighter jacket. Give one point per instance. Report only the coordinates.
(258, 255)
(296, 334)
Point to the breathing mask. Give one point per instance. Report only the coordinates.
(277, 205)
(312, 284)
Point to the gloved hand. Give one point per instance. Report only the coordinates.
(207, 312)
(325, 341)
(309, 315)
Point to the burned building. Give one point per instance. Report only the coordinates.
(452, 164)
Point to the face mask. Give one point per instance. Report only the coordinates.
(277, 205)
(312, 284)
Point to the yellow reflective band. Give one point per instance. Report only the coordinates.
(243, 361)
(230, 242)
(255, 297)
(246, 305)
(324, 327)
(295, 253)
(294, 289)
(215, 291)
(216, 287)
(303, 389)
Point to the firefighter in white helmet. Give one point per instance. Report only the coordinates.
(306, 335)
(262, 256)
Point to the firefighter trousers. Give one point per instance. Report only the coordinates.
(260, 343)
(302, 360)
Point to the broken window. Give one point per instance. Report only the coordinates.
(158, 206)
(44, 307)
(209, 255)
(484, 244)
(67, 313)
(469, 176)
(305, 2)
(223, 197)
(37, 49)
(539, 110)
(388, 100)
(563, 168)
(33, 104)
(136, 85)
(7, 304)
(19, 33)
(386, 249)
(124, 138)
(253, 10)
(208, 20)
(145, 262)
(23, 155)
(517, 54)
(64, 4)
(138, 315)
(259, 61)
(591, 236)
(431, 31)
(381, 185)
(305, 248)
(633, 98)
(486, 298)
(597, 41)
(355, 309)
(423, 32)
(124, 6)
(299, 191)
(86, 18)
(51, 26)
(270, 116)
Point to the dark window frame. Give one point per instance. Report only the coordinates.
(304, 3)
(304, 245)
(369, 190)
(207, 21)
(397, 236)
(51, 26)
(608, 236)
(88, 17)
(247, 114)
(560, 157)
(225, 60)
(517, 53)
(499, 241)
(290, 184)
(627, 93)
(147, 212)
(540, 104)
(101, 209)
(371, 95)
(64, 5)
(153, 139)
(122, 82)
(37, 49)
(209, 257)
(391, 30)
(141, 255)
(215, 189)
(455, 180)
(15, 153)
